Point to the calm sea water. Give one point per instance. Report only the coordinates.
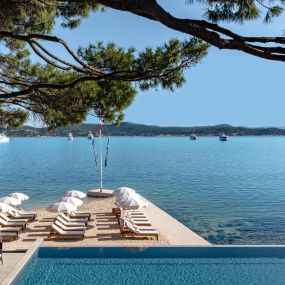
(229, 192)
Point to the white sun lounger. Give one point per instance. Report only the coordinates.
(83, 220)
(11, 229)
(56, 231)
(138, 222)
(22, 213)
(137, 218)
(4, 223)
(74, 214)
(70, 224)
(137, 226)
(27, 213)
(65, 228)
(138, 232)
(8, 235)
(7, 219)
(16, 214)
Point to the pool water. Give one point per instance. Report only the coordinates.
(155, 271)
(52, 266)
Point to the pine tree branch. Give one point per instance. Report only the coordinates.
(213, 34)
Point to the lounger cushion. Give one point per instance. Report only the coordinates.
(73, 224)
(62, 232)
(9, 234)
(65, 228)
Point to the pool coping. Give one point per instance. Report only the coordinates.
(20, 265)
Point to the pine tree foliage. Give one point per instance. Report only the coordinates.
(101, 78)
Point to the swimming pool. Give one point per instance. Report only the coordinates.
(156, 265)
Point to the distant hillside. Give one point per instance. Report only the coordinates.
(131, 129)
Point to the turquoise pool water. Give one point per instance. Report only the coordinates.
(155, 271)
(139, 266)
(230, 193)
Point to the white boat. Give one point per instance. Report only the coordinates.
(193, 137)
(223, 138)
(4, 138)
(70, 137)
(90, 136)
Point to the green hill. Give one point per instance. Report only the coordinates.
(131, 129)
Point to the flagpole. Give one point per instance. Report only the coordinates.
(101, 158)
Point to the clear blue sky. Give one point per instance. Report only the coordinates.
(227, 87)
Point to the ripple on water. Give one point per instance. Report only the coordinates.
(229, 193)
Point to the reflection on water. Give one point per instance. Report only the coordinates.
(229, 192)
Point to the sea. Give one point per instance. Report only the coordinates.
(228, 192)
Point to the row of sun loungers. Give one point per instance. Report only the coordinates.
(134, 223)
(72, 225)
(12, 224)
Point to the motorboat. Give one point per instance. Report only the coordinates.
(90, 136)
(70, 137)
(223, 138)
(4, 138)
(193, 137)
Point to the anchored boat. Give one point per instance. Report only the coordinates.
(223, 138)
(70, 137)
(4, 138)
(90, 136)
(193, 137)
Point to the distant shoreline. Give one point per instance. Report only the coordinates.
(131, 129)
(149, 136)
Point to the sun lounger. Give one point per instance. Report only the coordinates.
(138, 222)
(65, 228)
(117, 211)
(70, 224)
(11, 229)
(138, 211)
(4, 223)
(58, 232)
(139, 232)
(23, 213)
(82, 220)
(79, 215)
(80, 212)
(69, 220)
(7, 219)
(140, 227)
(8, 235)
(135, 213)
(15, 215)
(27, 213)
(137, 217)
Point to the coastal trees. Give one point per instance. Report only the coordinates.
(101, 77)
(104, 78)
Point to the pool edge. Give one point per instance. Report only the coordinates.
(20, 265)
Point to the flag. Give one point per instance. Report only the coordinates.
(94, 151)
(107, 152)
(101, 125)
